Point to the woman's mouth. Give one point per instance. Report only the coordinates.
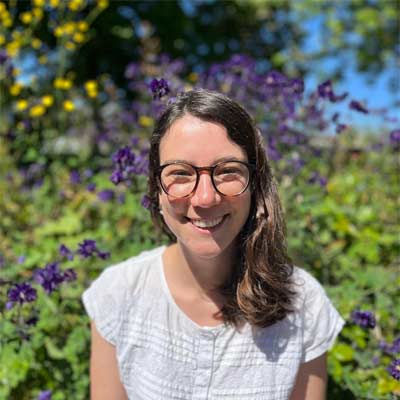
(207, 225)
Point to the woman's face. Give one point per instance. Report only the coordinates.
(203, 144)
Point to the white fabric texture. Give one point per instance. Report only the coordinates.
(162, 354)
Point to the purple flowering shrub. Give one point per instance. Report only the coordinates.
(74, 163)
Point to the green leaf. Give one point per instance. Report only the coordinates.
(67, 225)
(343, 352)
(53, 351)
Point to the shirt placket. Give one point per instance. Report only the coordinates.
(204, 365)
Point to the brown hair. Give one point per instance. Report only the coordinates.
(260, 289)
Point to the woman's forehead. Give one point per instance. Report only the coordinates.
(194, 140)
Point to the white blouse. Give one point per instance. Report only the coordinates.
(162, 354)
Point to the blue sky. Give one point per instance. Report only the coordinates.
(373, 95)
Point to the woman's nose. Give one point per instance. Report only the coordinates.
(205, 194)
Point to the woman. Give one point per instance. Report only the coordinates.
(220, 313)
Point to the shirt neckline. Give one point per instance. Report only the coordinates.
(171, 300)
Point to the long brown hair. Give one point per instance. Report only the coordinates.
(260, 289)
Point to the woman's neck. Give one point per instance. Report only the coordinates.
(197, 277)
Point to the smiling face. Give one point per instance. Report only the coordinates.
(203, 144)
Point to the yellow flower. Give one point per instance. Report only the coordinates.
(13, 48)
(193, 77)
(75, 5)
(38, 13)
(16, 35)
(91, 85)
(42, 59)
(15, 89)
(63, 84)
(47, 100)
(68, 106)
(92, 94)
(59, 31)
(78, 37)
(26, 17)
(2, 40)
(91, 89)
(37, 111)
(70, 46)
(102, 4)
(69, 28)
(2, 7)
(36, 43)
(38, 3)
(22, 105)
(145, 121)
(54, 3)
(83, 26)
(7, 22)
(16, 71)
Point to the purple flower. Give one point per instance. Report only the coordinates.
(32, 321)
(357, 106)
(69, 275)
(395, 347)
(124, 156)
(121, 198)
(91, 187)
(159, 88)
(65, 252)
(132, 70)
(275, 79)
(21, 293)
(44, 395)
(88, 248)
(340, 128)
(21, 259)
(145, 202)
(325, 91)
(317, 178)
(105, 195)
(127, 163)
(3, 57)
(75, 177)
(375, 361)
(395, 137)
(394, 369)
(49, 277)
(365, 319)
(117, 177)
(103, 254)
(297, 86)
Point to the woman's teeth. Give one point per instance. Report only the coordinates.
(207, 223)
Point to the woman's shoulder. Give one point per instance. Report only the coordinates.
(307, 287)
(107, 296)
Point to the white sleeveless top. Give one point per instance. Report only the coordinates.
(163, 355)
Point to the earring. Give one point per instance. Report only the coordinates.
(161, 212)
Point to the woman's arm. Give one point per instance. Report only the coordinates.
(105, 383)
(311, 380)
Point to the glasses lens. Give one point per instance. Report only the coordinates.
(178, 180)
(231, 178)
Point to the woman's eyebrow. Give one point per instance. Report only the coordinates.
(220, 159)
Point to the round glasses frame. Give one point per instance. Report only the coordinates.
(210, 171)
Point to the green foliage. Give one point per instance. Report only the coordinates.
(345, 233)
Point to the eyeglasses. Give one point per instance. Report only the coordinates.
(229, 178)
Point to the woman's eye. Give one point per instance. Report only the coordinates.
(228, 171)
(181, 173)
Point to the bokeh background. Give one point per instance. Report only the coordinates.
(81, 82)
